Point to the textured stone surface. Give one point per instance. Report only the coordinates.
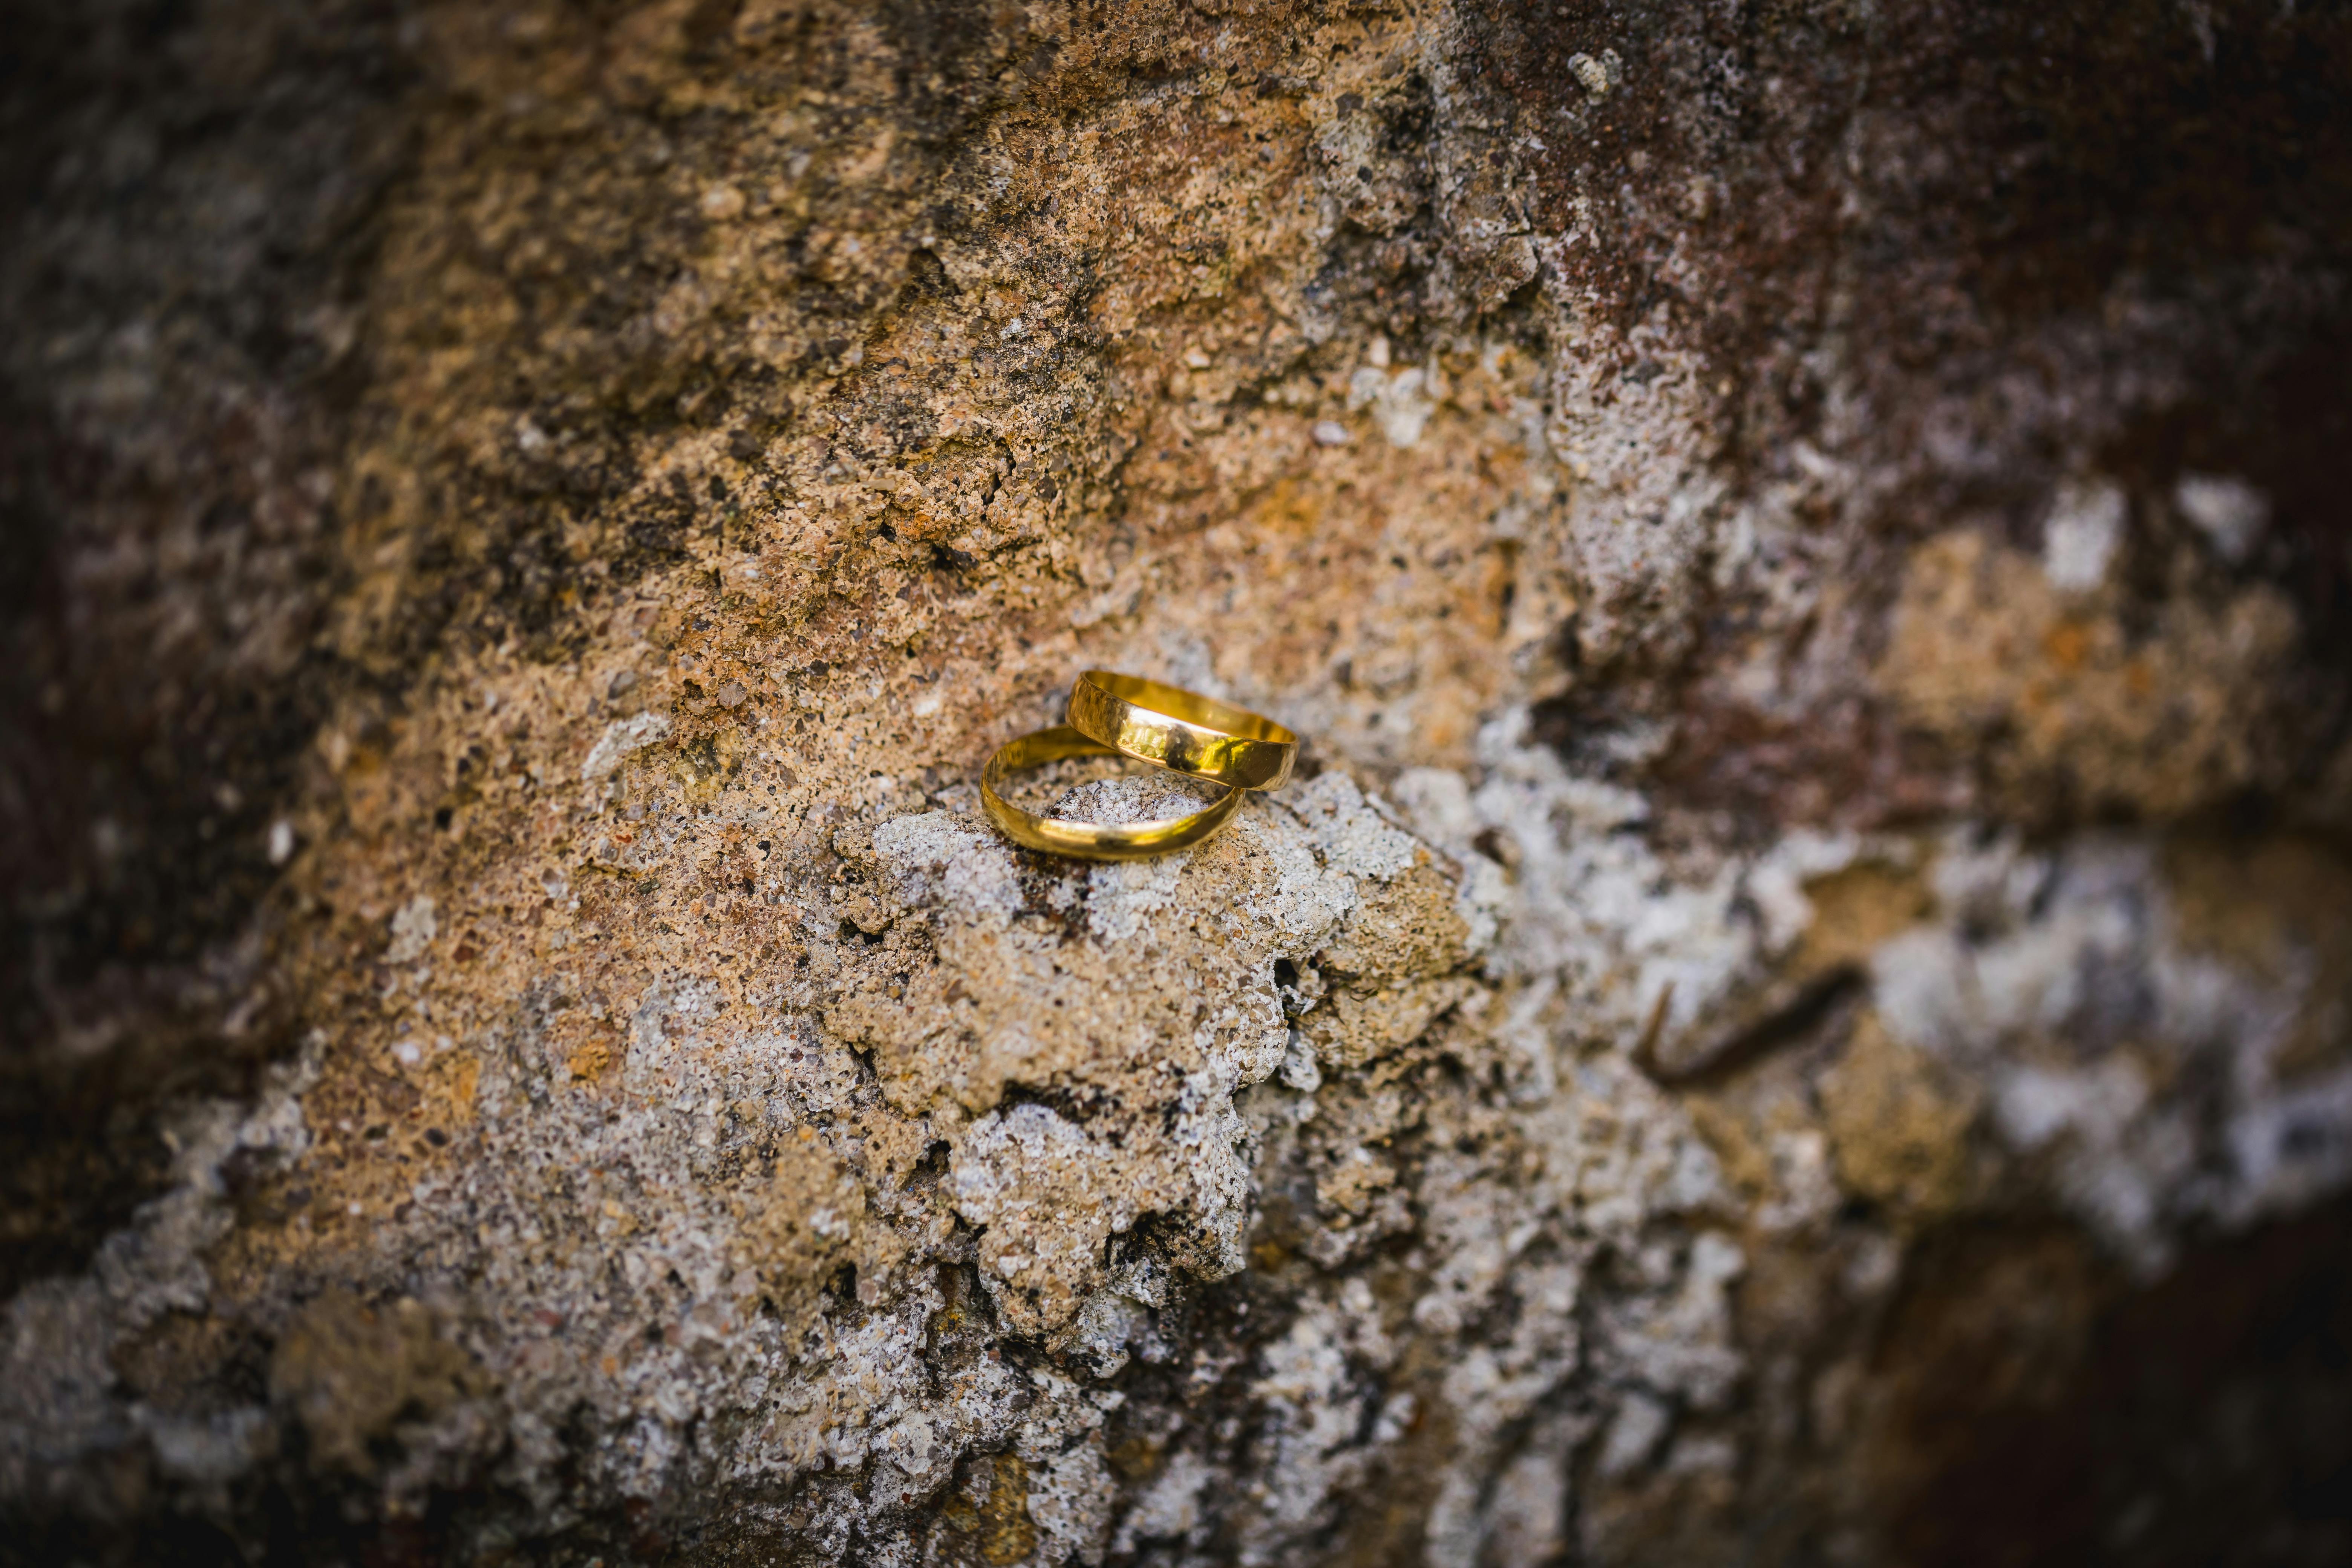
(1809, 952)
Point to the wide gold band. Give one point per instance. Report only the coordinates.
(1086, 840)
(1182, 729)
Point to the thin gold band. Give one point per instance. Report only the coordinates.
(1086, 840)
(1182, 729)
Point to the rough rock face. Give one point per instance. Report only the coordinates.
(1800, 1009)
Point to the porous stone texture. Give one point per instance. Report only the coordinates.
(1799, 1009)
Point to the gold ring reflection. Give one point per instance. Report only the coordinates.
(1086, 840)
(1182, 729)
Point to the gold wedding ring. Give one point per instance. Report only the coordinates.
(1182, 731)
(1086, 840)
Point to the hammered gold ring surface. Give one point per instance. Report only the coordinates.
(1181, 731)
(1086, 840)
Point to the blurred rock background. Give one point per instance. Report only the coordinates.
(1800, 1009)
